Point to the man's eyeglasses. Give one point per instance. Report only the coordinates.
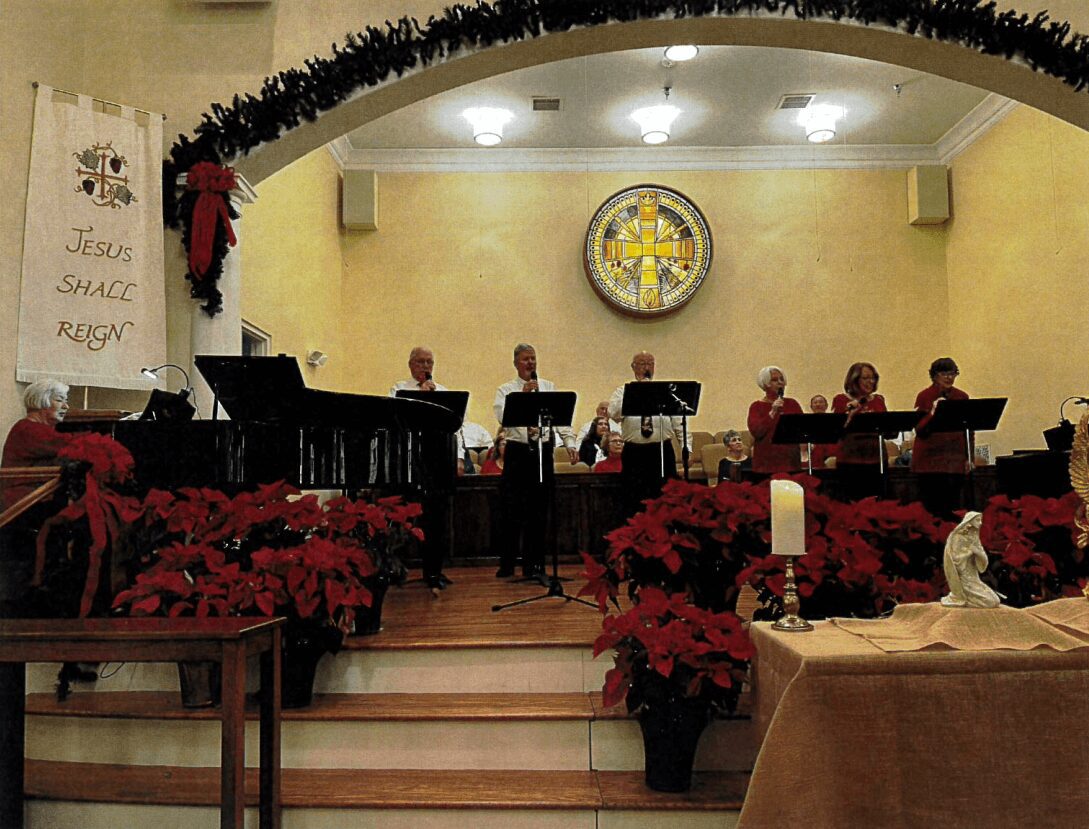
(948, 373)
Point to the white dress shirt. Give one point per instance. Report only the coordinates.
(519, 434)
(631, 428)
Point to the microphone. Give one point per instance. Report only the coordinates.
(1084, 401)
(782, 392)
(648, 375)
(533, 377)
(427, 377)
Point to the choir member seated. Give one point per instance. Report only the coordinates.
(493, 464)
(590, 449)
(614, 444)
(737, 459)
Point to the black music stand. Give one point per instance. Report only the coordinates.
(979, 415)
(541, 410)
(168, 407)
(663, 398)
(809, 429)
(455, 401)
(882, 425)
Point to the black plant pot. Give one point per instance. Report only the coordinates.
(368, 620)
(671, 732)
(300, 656)
(201, 684)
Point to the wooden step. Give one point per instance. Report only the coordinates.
(383, 788)
(165, 705)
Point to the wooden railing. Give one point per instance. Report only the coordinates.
(47, 478)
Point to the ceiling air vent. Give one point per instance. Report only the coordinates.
(795, 101)
(546, 104)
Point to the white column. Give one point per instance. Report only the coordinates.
(221, 334)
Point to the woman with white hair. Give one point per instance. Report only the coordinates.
(768, 457)
(34, 440)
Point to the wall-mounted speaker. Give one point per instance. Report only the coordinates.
(928, 194)
(359, 200)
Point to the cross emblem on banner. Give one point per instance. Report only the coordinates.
(100, 176)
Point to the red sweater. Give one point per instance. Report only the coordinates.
(770, 457)
(608, 465)
(29, 443)
(943, 452)
(858, 448)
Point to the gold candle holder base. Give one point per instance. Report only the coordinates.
(791, 621)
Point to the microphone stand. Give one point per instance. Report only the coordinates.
(685, 411)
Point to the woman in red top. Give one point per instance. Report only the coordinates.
(613, 444)
(32, 441)
(940, 459)
(768, 457)
(860, 395)
(493, 464)
(857, 457)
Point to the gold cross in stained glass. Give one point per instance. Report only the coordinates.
(647, 245)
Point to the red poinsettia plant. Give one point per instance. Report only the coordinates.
(1032, 543)
(267, 552)
(665, 647)
(96, 469)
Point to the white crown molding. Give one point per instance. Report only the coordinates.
(973, 126)
(501, 160)
(969, 129)
(340, 149)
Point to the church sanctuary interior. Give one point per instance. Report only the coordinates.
(860, 194)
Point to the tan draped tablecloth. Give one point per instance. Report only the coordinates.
(857, 737)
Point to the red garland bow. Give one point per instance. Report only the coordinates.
(212, 181)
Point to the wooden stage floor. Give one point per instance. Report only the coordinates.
(461, 616)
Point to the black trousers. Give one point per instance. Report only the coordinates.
(527, 505)
(641, 471)
(942, 494)
(435, 523)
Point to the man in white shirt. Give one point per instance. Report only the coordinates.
(421, 363)
(646, 441)
(525, 491)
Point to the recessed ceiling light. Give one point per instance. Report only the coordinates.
(679, 54)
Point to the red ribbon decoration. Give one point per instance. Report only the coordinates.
(212, 181)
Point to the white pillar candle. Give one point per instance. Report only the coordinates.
(787, 518)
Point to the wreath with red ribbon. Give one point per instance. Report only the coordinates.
(207, 214)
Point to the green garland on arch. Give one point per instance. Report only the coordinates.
(369, 57)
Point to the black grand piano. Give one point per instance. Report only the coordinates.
(279, 429)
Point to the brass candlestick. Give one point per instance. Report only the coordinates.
(791, 621)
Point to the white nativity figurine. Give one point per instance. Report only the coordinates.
(965, 559)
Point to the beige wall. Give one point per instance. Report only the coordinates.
(291, 264)
(812, 271)
(176, 57)
(1019, 271)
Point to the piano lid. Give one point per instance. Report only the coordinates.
(271, 389)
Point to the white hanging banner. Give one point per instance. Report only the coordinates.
(92, 311)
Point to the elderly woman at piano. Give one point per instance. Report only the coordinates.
(32, 441)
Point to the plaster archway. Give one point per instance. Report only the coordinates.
(1009, 78)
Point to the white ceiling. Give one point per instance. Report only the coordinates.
(728, 96)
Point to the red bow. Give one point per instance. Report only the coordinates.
(212, 181)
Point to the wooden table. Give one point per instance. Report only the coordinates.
(226, 641)
(855, 736)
